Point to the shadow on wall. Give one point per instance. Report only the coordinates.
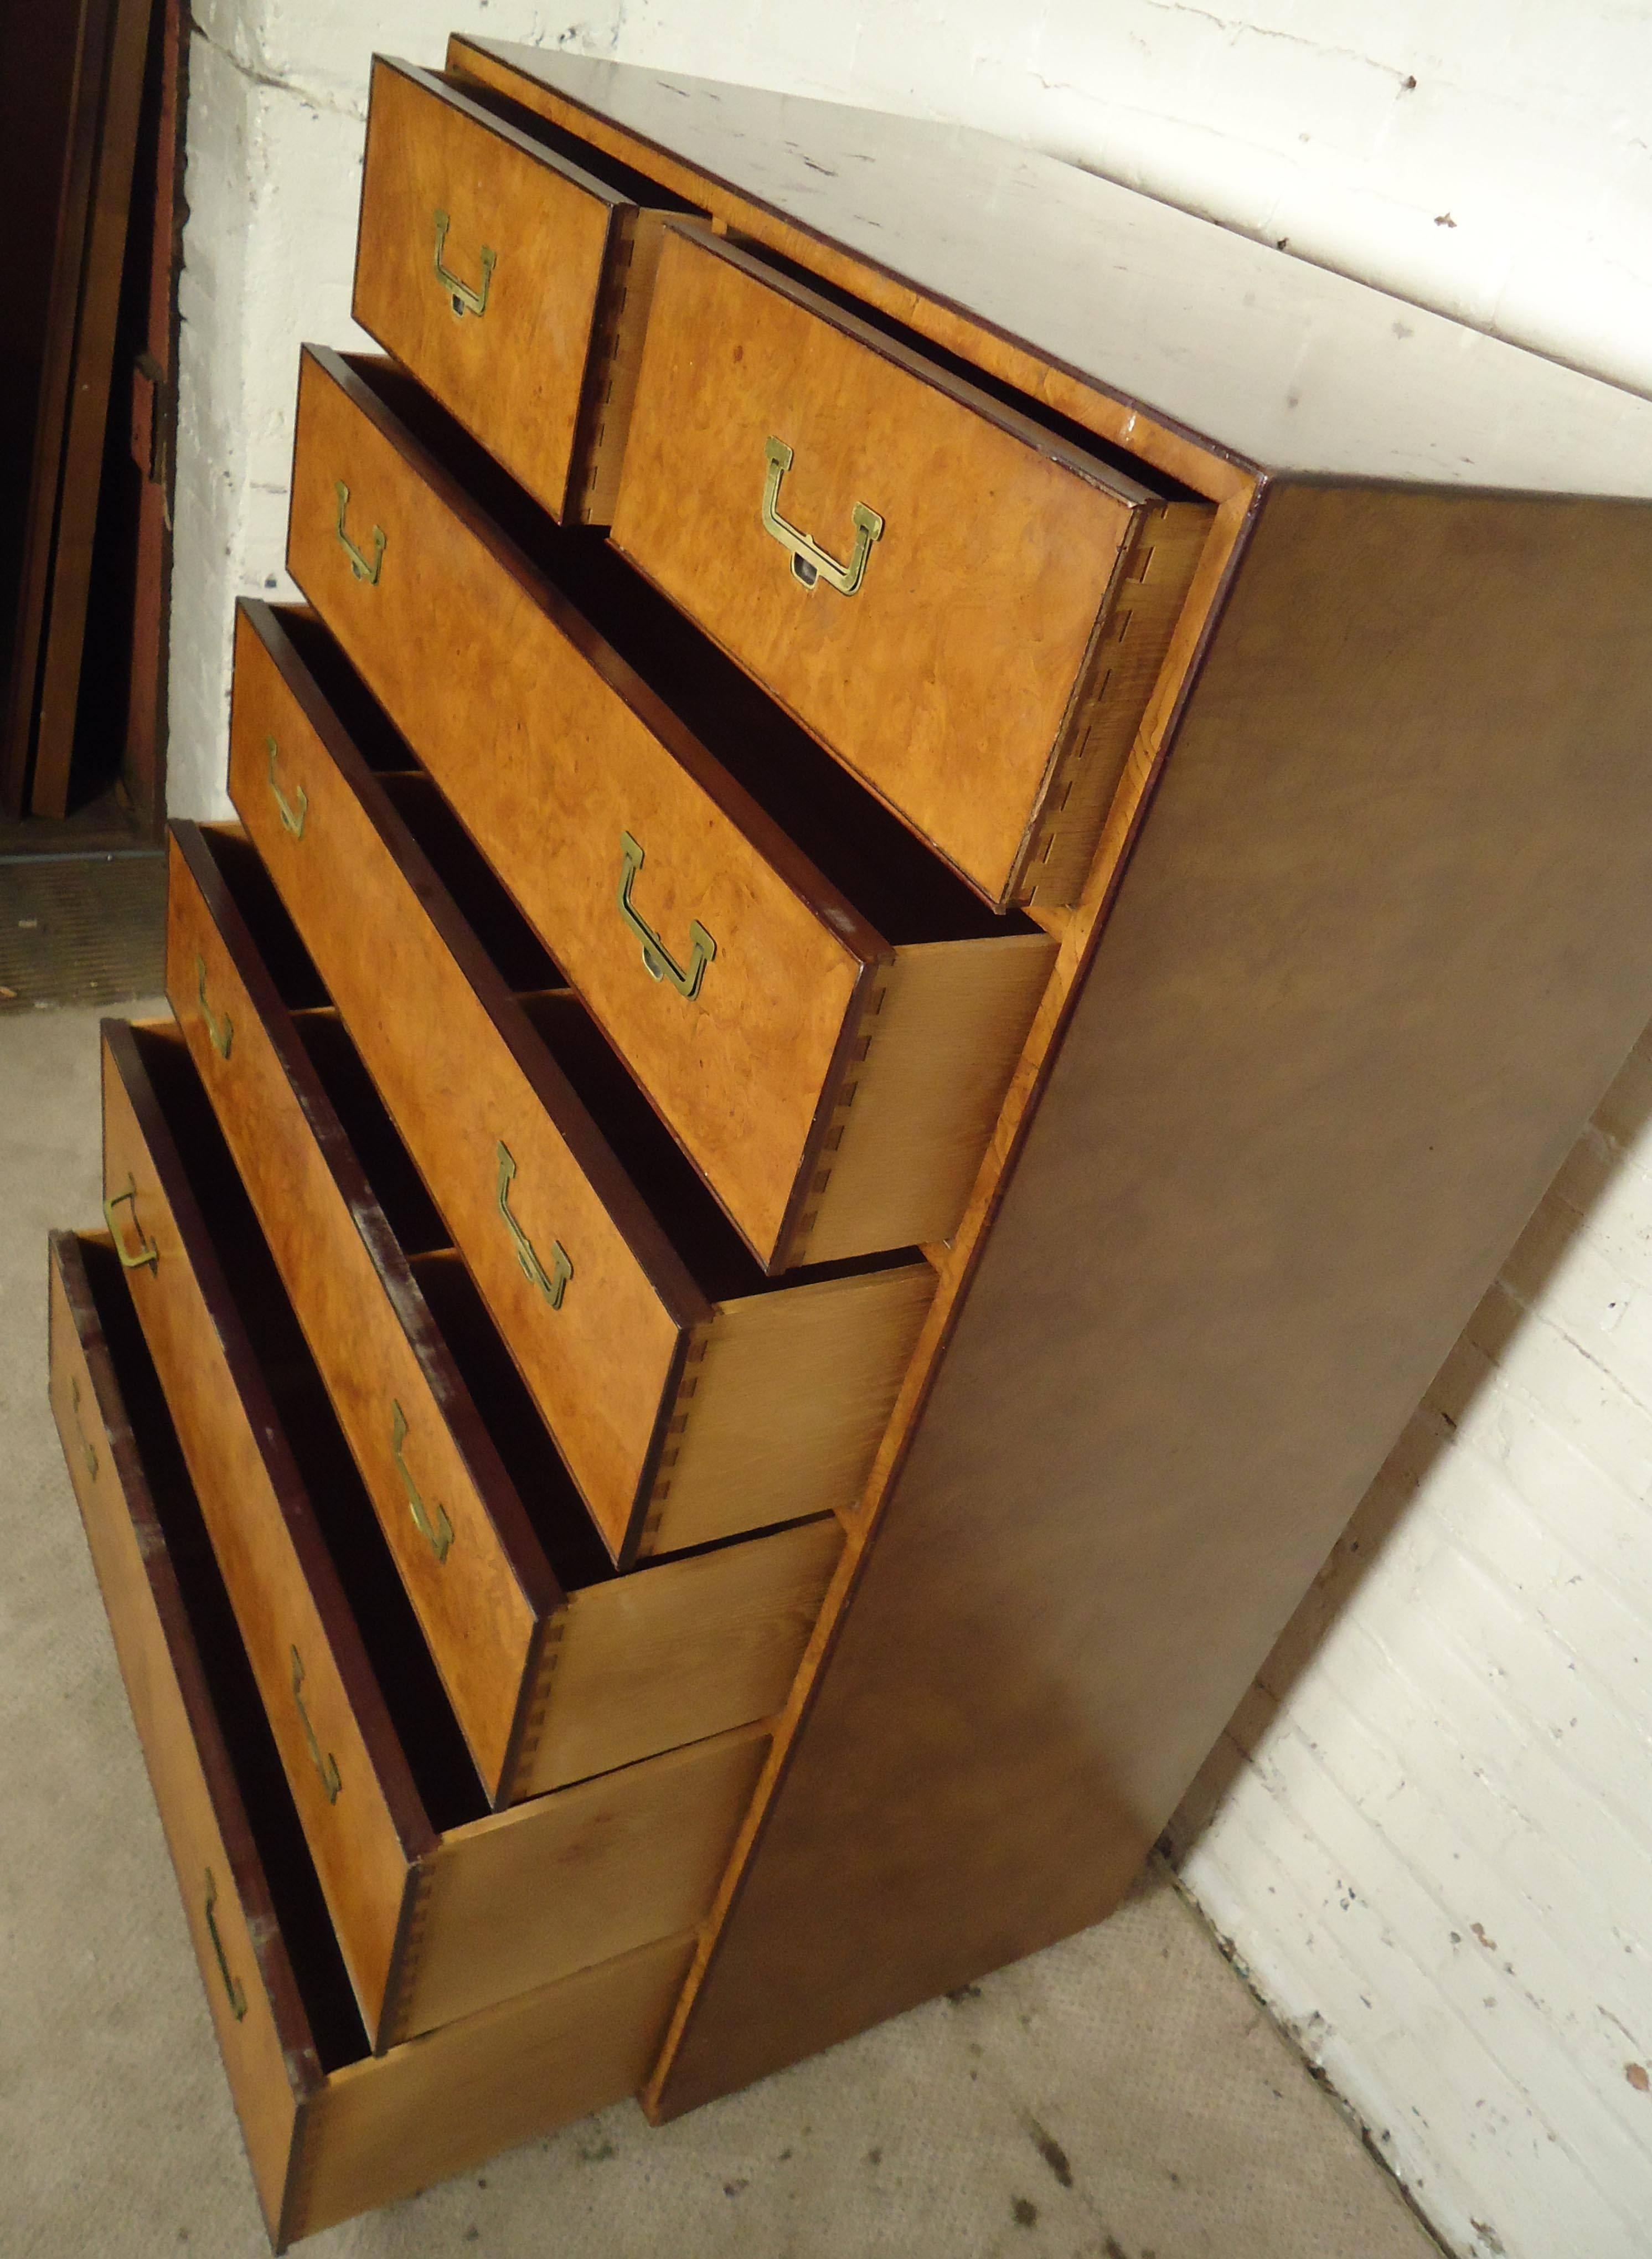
(1592, 1170)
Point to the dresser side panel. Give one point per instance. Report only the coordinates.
(1385, 938)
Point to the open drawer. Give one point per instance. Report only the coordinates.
(966, 597)
(824, 1015)
(556, 1666)
(440, 1907)
(507, 266)
(691, 1395)
(330, 2129)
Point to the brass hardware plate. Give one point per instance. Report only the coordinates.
(552, 1284)
(656, 958)
(327, 1767)
(461, 295)
(232, 1986)
(431, 1523)
(294, 813)
(149, 1258)
(810, 563)
(365, 568)
(219, 1026)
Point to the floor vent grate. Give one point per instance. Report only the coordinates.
(82, 928)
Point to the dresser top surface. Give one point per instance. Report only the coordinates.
(1283, 365)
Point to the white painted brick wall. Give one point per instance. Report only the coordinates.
(1428, 1831)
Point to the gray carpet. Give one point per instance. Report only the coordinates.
(1119, 2096)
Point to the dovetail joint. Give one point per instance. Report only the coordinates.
(831, 1143)
(411, 1954)
(1119, 688)
(676, 1429)
(533, 1725)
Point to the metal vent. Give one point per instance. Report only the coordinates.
(82, 928)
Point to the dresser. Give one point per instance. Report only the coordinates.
(938, 861)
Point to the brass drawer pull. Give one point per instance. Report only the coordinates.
(461, 297)
(237, 1997)
(219, 1026)
(364, 568)
(326, 1768)
(150, 1258)
(87, 1451)
(294, 815)
(661, 965)
(436, 1529)
(809, 562)
(552, 1284)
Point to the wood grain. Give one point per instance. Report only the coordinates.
(267, 2049)
(484, 1602)
(441, 1925)
(786, 1401)
(616, 360)
(550, 759)
(461, 1065)
(681, 1650)
(926, 271)
(1148, 609)
(534, 1893)
(324, 2141)
(957, 1263)
(637, 1667)
(515, 375)
(1184, 335)
(946, 681)
(379, 2131)
(281, 1583)
(951, 1020)
(87, 253)
(462, 1072)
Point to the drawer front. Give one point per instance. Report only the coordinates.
(490, 267)
(482, 1628)
(739, 1015)
(324, 2140)
(236, 1461)
(262, 2030)
(596, 1344)
(980, 551)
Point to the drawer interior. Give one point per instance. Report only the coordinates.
(554, 1506)
(722, 1263)
(623, 178)
(719, 1258)
(301, 1912)
(423, 1720)
(645, 1148)
(907, 892)
(514, 948)
(1154, 481)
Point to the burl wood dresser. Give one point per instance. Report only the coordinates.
(939, 861)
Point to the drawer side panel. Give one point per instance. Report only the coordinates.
(385, 2129)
